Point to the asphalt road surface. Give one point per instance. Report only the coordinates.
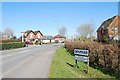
(29, 62)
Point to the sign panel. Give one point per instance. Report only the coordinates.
(81, 52)
(82, 58)
(82, 55)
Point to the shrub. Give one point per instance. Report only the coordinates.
(12, 45)
(10, 40)
(104, 55)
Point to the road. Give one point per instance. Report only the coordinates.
(29, 62)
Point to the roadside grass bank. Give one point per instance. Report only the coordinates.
(63, 66)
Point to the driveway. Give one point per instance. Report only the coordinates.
(30, 62)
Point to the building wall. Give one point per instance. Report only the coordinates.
(100, 35)
(38, 36)
(29, 36)
(108, 32)
(47, 41)
(59, 39)
(113, 25)
(52, 40)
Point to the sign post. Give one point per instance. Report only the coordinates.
(76, 63)
(82, 55)
(88, 65)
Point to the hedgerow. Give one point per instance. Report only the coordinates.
(12, 45)
(10, 40)
(103, 55)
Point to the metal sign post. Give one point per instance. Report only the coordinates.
(82, 55)
(76, 63)
(88, 65)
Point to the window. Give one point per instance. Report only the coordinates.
(115, 30)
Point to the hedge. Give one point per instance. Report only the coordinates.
(12, 45)
(10, 40)
(103, 55)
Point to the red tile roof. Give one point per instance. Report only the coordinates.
(59, 36)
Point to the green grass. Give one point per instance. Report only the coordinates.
(60, 68)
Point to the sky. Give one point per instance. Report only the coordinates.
(48, 17)
(60, 0)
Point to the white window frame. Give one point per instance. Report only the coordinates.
(115, 30)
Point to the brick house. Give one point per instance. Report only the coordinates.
(32, 36)
(4, 38)
(59, 38)
(109, 29)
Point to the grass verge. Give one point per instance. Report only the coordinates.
(63, 66)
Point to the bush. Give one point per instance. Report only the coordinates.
(103, 55)
(10, 40)
(12, 45)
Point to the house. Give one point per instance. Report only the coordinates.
(3, 39)
(48, 39)
(108, 30)
(59, 38)
(31, 36)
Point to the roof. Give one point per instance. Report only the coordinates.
(106, 23)
(47, 37)
(5, 38)
(28, 32)
(59, 36)
(37, 32)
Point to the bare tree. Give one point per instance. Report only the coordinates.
(62, 31)
(81, 30)
(85, 30)
(8, 32)
(90, 30)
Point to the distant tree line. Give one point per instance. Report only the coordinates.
(8, 33)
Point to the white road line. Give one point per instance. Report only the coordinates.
(15, 53)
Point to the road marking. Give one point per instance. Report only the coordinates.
(15, 53)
